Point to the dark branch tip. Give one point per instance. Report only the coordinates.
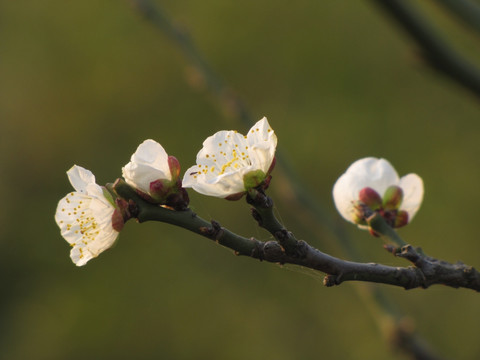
(332, 280)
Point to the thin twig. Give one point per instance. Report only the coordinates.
(225, 96)
(426, 272)
(466, 10)
(440, 55)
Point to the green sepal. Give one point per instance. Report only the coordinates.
(253, 179)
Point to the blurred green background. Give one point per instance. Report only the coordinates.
(85, 82)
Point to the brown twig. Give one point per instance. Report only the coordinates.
(286, 249)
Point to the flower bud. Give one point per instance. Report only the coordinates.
(174, 166)
(401, 219)
(370, 197)
(117, 220)
(122, 206)
(169, 193)
(393, 197)
(159, 189)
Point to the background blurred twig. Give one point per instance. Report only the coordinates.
(468, 11)
(223, 94)
(436, 51)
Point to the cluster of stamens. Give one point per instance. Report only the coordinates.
(81, 222)
(220, 162)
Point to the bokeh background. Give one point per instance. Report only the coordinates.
(85, 82)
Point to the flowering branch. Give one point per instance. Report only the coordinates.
(168, 191)
(286, 249)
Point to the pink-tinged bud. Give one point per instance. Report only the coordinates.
(401, 219)
(159, 189)
(174, 166)
(117, 220)
(123, 207)
(393, 197)
(370, 197)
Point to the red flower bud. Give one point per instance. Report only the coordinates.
(370, 197)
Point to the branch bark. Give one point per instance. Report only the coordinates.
(286, 249)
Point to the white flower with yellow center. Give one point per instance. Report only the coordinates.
(230, 163)
(85, 217)
(372, 185)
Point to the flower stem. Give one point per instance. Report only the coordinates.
(262, 212)
(377, 223)
(186, 219)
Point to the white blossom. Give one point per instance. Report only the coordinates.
(85, 217)
(149, 163)
(379, 175)
(229, 159)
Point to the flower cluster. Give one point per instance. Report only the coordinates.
(228, 166)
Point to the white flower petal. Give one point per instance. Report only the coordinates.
(227, 156)
(220, 186)
(80, 255)
(343, 196)
(85, 220)
(147, 164)
(412, 186)
(263, 142)
(80, 177)
(378, 174)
